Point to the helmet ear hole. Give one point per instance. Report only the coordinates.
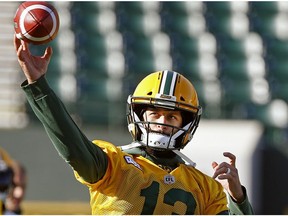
(150, 93)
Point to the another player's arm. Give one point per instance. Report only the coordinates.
(85, 157)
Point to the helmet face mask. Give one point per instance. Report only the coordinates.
(169, 90)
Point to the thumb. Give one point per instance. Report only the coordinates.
(214, 165)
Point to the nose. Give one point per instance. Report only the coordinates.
(162, 120)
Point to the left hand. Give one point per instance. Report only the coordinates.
(229, 180)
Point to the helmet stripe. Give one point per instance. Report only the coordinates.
(168, 82)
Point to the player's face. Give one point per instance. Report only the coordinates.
(163, 116)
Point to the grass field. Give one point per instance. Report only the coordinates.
(55, 208)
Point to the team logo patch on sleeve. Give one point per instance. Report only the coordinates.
(130, 160)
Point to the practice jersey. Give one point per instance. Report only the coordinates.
(135, 185)
(124, 178)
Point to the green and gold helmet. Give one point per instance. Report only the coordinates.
(169, 90)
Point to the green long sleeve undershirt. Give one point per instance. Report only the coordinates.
(84, 157)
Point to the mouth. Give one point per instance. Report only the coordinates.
(160, 132)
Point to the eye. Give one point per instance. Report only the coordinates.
(153, 114)
(174, 117)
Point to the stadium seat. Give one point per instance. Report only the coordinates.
(277, 69)
(91, 54)
(276, 60)
(188, 65)
(131, 7)
(138, 53)
(276, 48)
(184, 45)
(182, 18)
(231, 48)
(93, 44)
(261, 15)
(92, 88)
(234, 68)
(88, 6)
(129, 17)
(236, 98)
(263, 9)
(93, 112)
(181, 7)
(218, 16)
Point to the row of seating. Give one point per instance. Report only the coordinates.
(232, 47)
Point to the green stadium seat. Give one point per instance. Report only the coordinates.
(276, 48)
(279, 90)
(93, 112)
(218, 16)
(174, 7)
(129, 17)
(187, 65)
(262, 16)
(96, 88)
(184, 46)
(181, 7)
(86, 6)
(234, 68)
(278, 69)
(130, 7)
(236, 98)
(232, 48)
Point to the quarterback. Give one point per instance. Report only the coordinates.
(150, 175)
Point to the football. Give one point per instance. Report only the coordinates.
(36, 22)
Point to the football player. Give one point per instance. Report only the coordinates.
(150, 175)
(13, 182)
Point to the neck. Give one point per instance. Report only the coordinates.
(165, 154)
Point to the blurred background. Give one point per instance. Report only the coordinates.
(234, 52)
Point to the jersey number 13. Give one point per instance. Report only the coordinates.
(170, 198)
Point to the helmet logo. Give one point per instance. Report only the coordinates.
(167, 100)
(166, 96)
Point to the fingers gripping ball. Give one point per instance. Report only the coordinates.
(36, 22)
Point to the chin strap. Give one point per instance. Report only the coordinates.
(188, 161)
(130, 146)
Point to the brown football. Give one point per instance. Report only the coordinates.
(36, 22)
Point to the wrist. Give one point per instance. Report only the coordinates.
(240, 198)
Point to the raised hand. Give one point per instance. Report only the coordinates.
(228, 176)
(33, 66)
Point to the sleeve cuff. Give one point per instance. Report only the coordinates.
(39, 89)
